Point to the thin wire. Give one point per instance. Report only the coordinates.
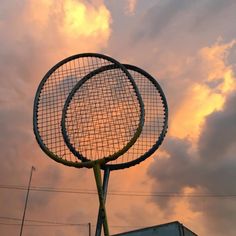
(51, 223)
(42, 221)
(38, 225)
(122, 193)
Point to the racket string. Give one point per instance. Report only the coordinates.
(101, 124)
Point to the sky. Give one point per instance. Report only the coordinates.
(190, 48)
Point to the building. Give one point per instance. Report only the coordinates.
(170, 229)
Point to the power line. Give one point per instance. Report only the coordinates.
(45, 223)
(38, 225)
(120, 193)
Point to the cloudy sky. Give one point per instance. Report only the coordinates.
(190, 47)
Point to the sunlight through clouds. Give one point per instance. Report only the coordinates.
(204, 98)
(81, 19)
(189, 47)
(74, 23)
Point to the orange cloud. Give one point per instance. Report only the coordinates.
(70, 23)
(85, 20)
(201, 99)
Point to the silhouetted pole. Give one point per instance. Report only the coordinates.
(89, 225)
(26, 200)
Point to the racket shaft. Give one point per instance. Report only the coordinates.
(104, 188)
(97, 174)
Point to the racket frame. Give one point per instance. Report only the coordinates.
(43, 146)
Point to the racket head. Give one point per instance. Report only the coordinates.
(50, 98)
(103, 115)
(156, 121)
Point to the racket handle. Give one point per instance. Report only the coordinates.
(102, 209)
(104, 188)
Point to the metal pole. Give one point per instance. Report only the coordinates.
(104, 186)
(89, 225)
(26, 200)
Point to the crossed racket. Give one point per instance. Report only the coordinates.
(91, 111)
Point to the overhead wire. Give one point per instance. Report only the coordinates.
(45, 223)
(121, 193)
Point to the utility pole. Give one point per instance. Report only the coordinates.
(89, 225)
(26, 200)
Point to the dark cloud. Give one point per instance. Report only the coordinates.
(215, 83)
(210, 13)
(180, 20)
(217, 139)
(159, 17)
(212, 169)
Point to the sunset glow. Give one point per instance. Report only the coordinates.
(201, 99)
(82, 20)
(189, 47)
